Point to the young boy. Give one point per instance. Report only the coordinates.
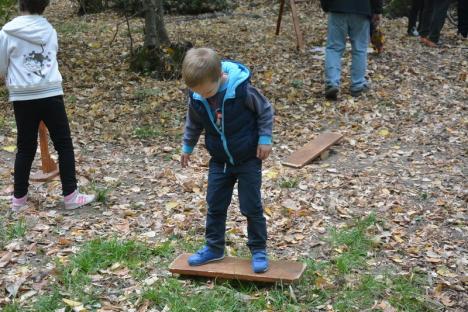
(28, 61)
(238, 122)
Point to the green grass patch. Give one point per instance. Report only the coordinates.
(101, 254)
(147, 132)
(9, 231)
(48, 303)
(72, 99)
(179, 297)
(72, 27)
(11, 307)
(345, 281)
(3, 233)
(289, 182)
(18, 229)
(2, 121)
(407, 293)
(102, 193)
(352, 244)
(298, 84)
(144, 93)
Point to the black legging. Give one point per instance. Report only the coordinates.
(438, 19)
(463, 17)
(415, 14)
(426, 18)
(28, 114)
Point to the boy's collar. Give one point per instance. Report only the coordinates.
(224, 84)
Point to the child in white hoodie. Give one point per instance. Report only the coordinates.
(28, 61)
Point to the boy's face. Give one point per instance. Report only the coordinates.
(208, 88)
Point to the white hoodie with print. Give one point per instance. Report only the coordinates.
(28, 58)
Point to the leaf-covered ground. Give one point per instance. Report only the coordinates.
(403, 158)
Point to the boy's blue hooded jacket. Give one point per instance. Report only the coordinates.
(247, 119)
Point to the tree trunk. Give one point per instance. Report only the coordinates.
(158, 56)
(155, 30)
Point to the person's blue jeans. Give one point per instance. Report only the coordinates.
(221, 180)
(355, 26)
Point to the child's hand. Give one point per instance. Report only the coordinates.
(263, 151)
(184, 159)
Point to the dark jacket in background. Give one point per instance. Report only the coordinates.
(463, 17)
(364, 7)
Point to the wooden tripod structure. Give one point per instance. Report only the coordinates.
(299, 37)
(49, 168)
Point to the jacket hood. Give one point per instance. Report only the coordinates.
(32, 28)
(237, 74)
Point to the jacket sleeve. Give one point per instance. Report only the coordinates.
(192, 131)
(3, 54)
(259, 104)
(377, 6)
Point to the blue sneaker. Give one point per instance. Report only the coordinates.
(260, 262)
(204, 256)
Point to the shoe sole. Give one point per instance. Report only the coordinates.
(76, 206)
(19, 208)
(212, 260)
(360, 92)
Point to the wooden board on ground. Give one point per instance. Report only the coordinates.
(49, 168)
(312, 150)
(41, 176)
(286, 272)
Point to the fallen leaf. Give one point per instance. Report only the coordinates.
(172, 205)
(5, 259)
(9, 148)
(384, 132)
(71, 303)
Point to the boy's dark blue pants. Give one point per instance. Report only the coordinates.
(221, 182)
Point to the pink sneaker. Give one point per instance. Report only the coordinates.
(18, 203)
(76, 200)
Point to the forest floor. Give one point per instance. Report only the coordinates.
(381, 223)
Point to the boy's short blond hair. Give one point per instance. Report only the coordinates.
(201, 65)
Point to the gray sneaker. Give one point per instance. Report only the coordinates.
(358, 92)
(331, 93)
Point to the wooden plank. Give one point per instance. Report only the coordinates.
(286, 272)
(41, 176)
(312, 150)
(49, 168)
(297, 29)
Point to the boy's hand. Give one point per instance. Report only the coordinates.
(263, 151)
(184, 159)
